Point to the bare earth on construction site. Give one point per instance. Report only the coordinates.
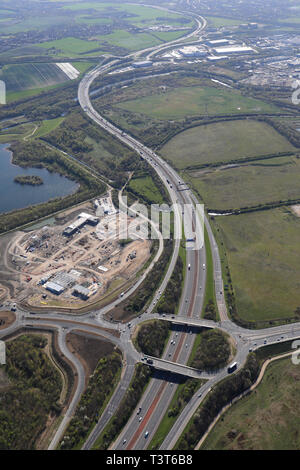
(89, 350)
(296, 209)
(6, 319)
(73, 265)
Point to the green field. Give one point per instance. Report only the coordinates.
(38, 22)
(17, 132)
(268, 419)
(169, 35)
(70, 46)
(48, 126)
(111, 24)
(83, 66)
(20, 77)
(218, 22)
(140, 15)
(145, 186)
(224, 141)
(263, 255)
(130, 41)
(190, 101)
(19, 95)
(250, 184)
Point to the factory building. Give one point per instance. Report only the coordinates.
(233, 50)
(192, 51)
(143, 63)
(219, 42)
(54, 288)
(213, 58)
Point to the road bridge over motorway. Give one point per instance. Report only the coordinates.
(187, 321)
(176, 368)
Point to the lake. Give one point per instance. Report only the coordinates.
(15, 196)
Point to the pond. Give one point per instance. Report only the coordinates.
(16, 196)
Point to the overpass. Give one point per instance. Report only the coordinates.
(176, 368)
(186, 321)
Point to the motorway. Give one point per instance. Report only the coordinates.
(141, 427)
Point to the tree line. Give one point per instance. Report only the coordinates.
(151, 337)
(33, 393)
(87, 412)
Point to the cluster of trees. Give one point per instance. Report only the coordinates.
(258, 207)
(153, 132)
(78, 136)
(70, 135)
(172, 293)
(141, 378)
(48, 105)
(184, 396)
(32, 180)
(291, 134)
(151, 337)
(210, 312)
(136, 303)
(221, 395)
(34, 391)
(100, 386)
(239, 160)
(213, 351)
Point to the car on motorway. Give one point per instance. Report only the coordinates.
(146, 434)
(140, 418)
(124, 442)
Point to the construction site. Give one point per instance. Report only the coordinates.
(79, 262)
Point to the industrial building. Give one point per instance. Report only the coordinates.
(63, 279)
(219, 42)
(82, 220)
(213, 58)
(233, 49)
(81, 291)
(192, 51)
(54, 288)
(143, 63)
